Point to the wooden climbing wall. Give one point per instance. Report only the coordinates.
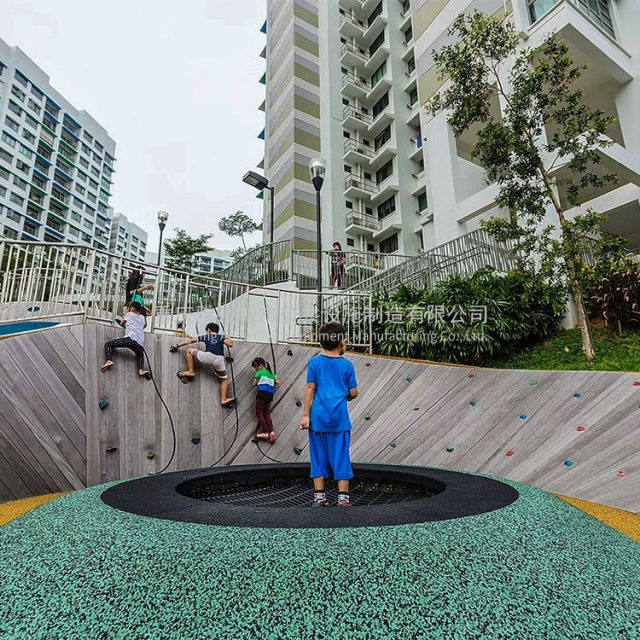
(407, 413)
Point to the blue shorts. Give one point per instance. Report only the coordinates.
(330, 452)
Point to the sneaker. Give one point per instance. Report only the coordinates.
(344, 503)
(320, 502)
(272, 437)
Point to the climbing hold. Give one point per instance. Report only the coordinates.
(636, 384)
(393, 445)
(409, 379)
(449, 449)
(298, 403)
(523, 416)
(581, 428)
(103, 404)
(151, 454)
(473, 404)
(577, 395)
(33, 309)
(568, 463)
(416, 408)
(367, 417)
(111, 447)
(367, 364)
(289, 352)
(195, 440)
(533, 382)
(510, 453)
(297, 450)
(622, 474)
(471, 375)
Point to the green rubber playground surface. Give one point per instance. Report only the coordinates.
(75, 568)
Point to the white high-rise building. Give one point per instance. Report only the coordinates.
(56, 162)
(346, 79)
(128, 239)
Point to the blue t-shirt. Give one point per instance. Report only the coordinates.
(213, 343)
(333, 378)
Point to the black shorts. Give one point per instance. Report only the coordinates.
(264, 395)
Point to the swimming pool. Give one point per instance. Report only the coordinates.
(14, 328)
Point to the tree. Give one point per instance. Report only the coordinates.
(237, 225)
(181, 251)
(545, 126)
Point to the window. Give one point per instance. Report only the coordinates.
(95, 172)
(371, 248)
(30, 228)
(28, 136)
(76, 217)
(82, 177)
(80, 189)
(346, 134)
(22, 79)
(50, 124)
(411, 66)
(20, 183)
(34, 107)
(36, 92)
(384, 172)
(12, 124)
(92, 198)
(18, 93)
(382, 138)
(104, 196)
(88, 224)
(87, 136)
(14, 197)
(422, 201)
(84, 163)
(387, 208)
(413, 97)
(97, 158)
(347, 168)
(23, 166)
(408, 35)
(64, 166)
(102, 208)
(86, 150)
(12, 215)
(381, 105)
(374, 14)
(78, 203)
(8, 139)
(15, 108)
(351, 242)
(348, 204)
(94, 184)
(390, 244)
(377, 43)
(52, 109)
(26, 152)
(3, 192)
(7, 157)
(10, 233)
(379, 73)
(98, 146)
(4, 174)
(345, 102)
(73, 231)
(42, 168)
(105, 184)
(32, 122)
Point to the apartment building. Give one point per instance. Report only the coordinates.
(128, 239)
(341, 82)
(601, 34)
(56, 162)
(208, 263)
(346, 79)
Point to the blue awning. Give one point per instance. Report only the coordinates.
(261, 135)
(263, 28)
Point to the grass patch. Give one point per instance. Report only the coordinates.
(563, 351)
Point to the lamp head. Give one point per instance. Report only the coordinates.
(317, 169)
(255, 180)
(163, 216)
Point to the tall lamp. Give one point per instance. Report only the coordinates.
(163, 216)
(261, 183)
(317, 169)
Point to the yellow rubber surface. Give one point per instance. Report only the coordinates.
(623, 521)
(11, 510)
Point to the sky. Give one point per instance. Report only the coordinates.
(176, 85)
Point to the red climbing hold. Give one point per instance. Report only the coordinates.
(622, 474)
(416, 408)
(581, 428)
(368, 364)
(472, 375)
(636, 384)
(510, 453)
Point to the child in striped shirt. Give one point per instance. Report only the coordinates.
(266, 382)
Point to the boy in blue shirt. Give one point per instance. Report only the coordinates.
(331, 382)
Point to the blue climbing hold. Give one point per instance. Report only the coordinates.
(195, 440)
(298, 403)
(473, 404)
(577, 395)
(568, 463)
(409, 379)
(523, 416)
(297, 450)
(33, 309)
(393, 445)
(103, 404)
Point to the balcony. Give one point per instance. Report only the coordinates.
(351, 55)
(378, 57)
(357, 221)
(47, 138)
(358, 187)
(60, 197)
(354, 85)
(357, 152)
(36, 197)
(405, 14)
(350, 5)
(45, 153)
(416, 153)
(377, 90)
(413, 109)
(351, 27)
(374, 29)
(355, 119)
(384, 153)
(385, 190)
(384, 118)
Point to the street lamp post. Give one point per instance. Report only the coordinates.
(261, 183)
(163, 216)
(318, 168)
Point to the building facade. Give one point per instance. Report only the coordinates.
(601, 34)
(207, 264)
(346, 79)
(56, 162)
(128, 239)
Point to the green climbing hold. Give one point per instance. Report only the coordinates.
(533, 382)
(298, 403)
(393, 445)
(367, 417)
(103, 404)
(195, 440)
(297, 450)
(449, 449)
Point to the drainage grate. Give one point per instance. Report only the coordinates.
(293, 492)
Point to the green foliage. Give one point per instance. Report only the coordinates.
(180, 251)
(237, 225)
(467, 320)
(545, 124)
(563, 351)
